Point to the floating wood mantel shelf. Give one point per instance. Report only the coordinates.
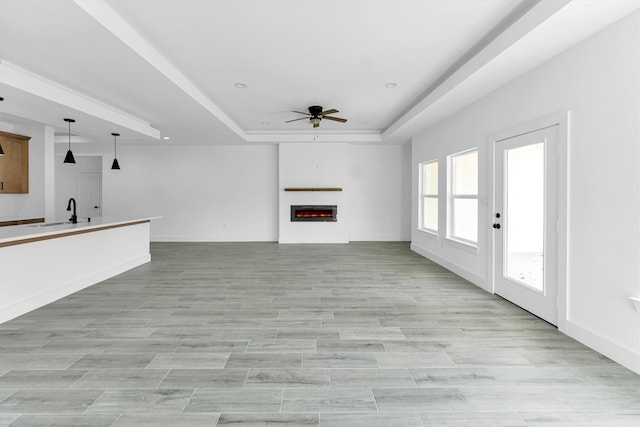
(313, 189)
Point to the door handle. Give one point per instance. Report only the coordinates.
(496, 226)
(96, 207)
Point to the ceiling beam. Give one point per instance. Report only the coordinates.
(25, 81)
(514, 29)
(114, 23)
(106, 16)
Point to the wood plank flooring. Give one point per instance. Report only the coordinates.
(253, 334)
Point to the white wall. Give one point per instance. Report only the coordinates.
(439, 142)
(203, 193)
(597, 81)
(379, 192)
(31, 205)
(231, 193)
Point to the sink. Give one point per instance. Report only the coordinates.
(47, 224)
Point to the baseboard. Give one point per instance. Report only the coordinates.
(465, 274)
(312, 241)
(622, 355)
(241, 239)
(30, 304)
(386, 238)
(211, 239)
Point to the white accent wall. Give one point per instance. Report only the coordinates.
(597, 81)
(313, 165)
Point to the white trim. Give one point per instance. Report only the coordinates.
(462, 272)
(432, 234)
(169, 238)
(461, 244)
(562, 120)
(616, 352)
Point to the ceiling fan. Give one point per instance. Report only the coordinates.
(315, 115)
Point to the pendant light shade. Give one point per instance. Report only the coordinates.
(115, 164)
(69, 157)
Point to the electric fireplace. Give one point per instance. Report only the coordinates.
(313, 213)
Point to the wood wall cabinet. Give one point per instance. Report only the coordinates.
(14, 165)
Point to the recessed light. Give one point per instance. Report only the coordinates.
(240, 85)
(390, 85)
(166, 138)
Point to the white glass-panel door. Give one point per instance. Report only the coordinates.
(525, 221)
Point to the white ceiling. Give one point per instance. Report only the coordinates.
(151, 68)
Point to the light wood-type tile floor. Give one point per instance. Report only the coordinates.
(256, 334)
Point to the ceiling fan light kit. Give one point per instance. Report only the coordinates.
(316, 115)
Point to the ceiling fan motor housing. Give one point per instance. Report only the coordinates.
(315, 110)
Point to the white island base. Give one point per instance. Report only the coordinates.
(41, 264)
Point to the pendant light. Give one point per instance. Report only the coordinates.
(1, 150)
(69, 157)
(115, 164)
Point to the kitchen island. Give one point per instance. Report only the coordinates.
(41, 263)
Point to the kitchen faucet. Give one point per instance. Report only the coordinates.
(74, 217)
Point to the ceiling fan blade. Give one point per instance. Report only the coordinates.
(295, 120)
(331, 111)
(300, 112)
(315, 125)
(335, 119)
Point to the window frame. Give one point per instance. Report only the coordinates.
(423, 196)
(452, 197)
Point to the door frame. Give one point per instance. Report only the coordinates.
(562, 121)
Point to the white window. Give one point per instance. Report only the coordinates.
(429, 196)
(463, 200)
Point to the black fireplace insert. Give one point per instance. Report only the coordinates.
(325, 213)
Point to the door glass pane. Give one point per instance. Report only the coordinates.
(524, 216)
(430, 213)
(465, 219)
